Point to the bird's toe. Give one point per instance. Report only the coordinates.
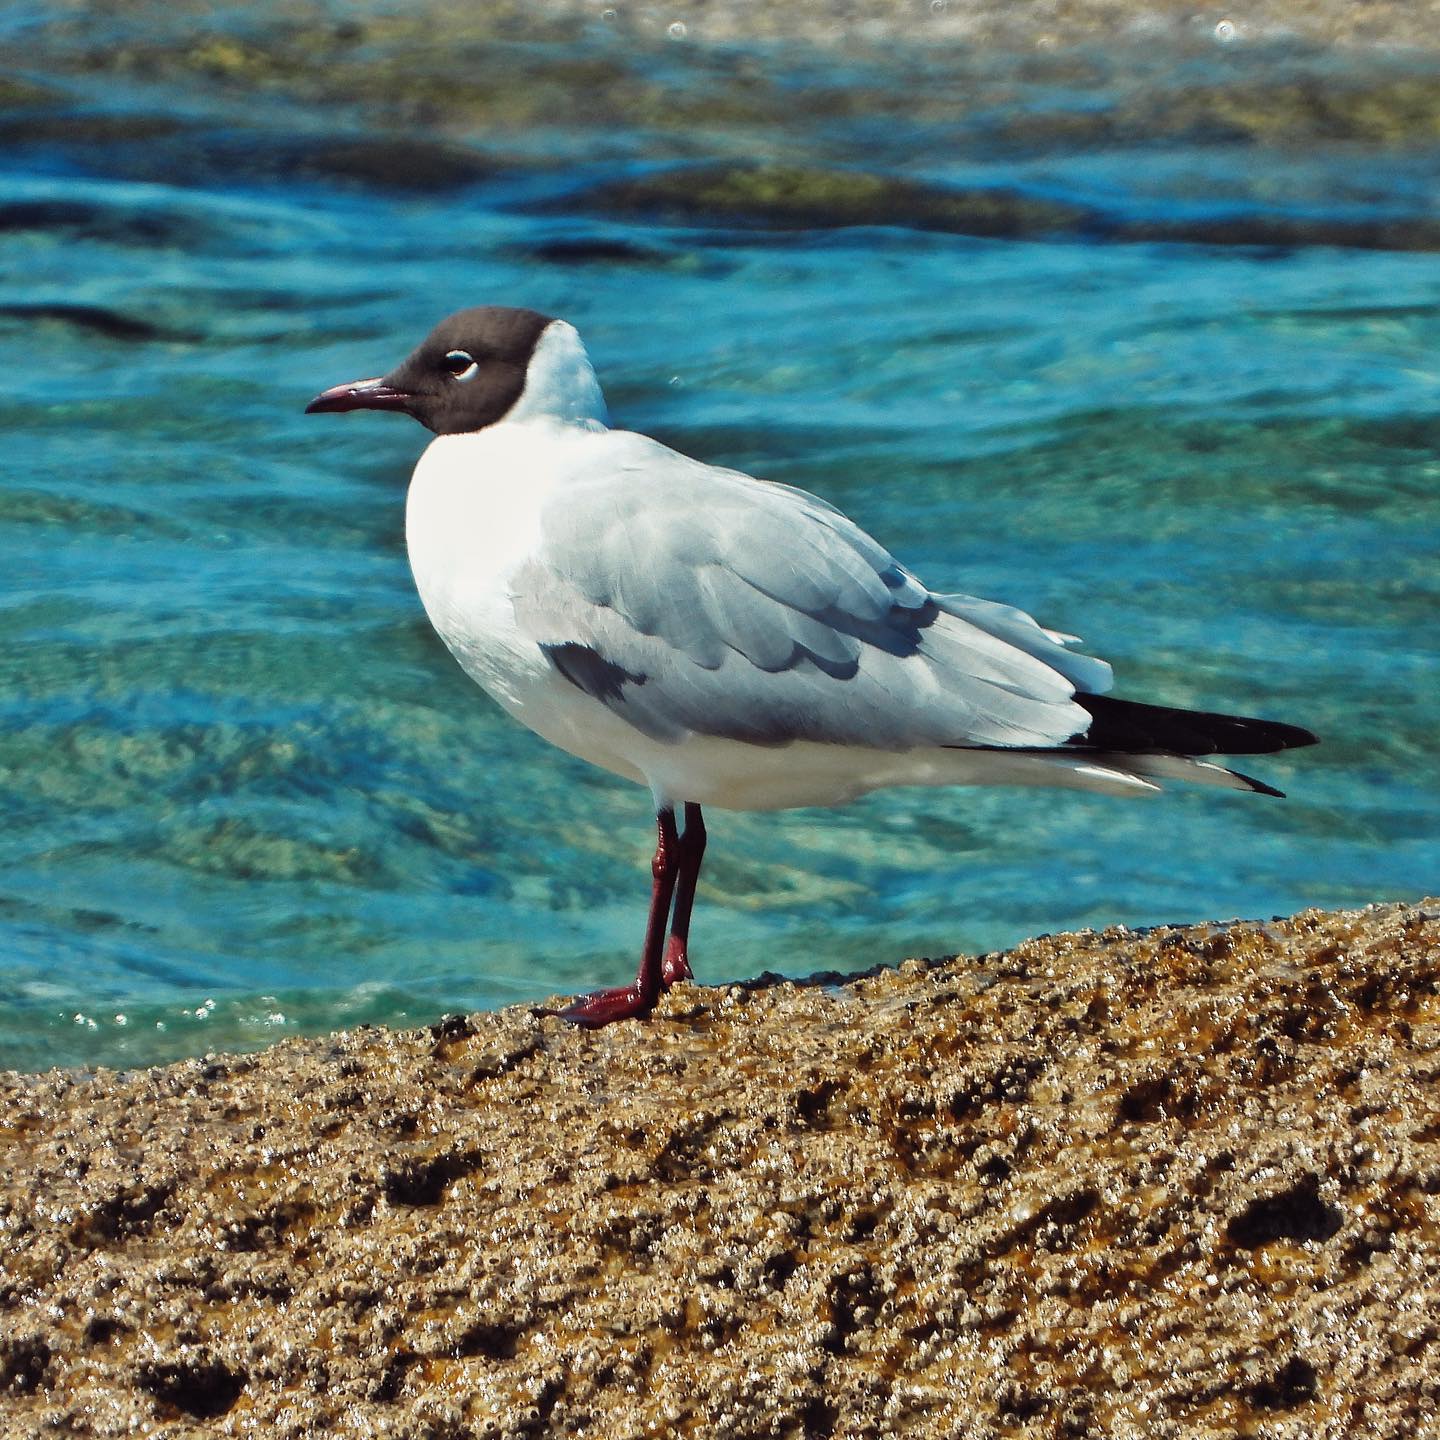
(676, 964)
(604, 1007)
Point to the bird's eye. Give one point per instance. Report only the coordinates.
(461, 364)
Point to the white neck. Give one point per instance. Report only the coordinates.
(560, 382)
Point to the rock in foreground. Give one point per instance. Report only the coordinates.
(1181, 1183)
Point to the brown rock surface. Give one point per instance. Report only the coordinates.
(1179, 1183)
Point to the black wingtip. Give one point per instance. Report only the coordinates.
(1131, 725)
(1259, 786)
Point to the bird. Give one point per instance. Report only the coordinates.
(723, 640)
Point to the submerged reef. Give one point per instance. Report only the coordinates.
(1184, 1182)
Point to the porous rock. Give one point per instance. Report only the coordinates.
(1183, 1182)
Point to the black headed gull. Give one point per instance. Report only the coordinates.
(725, 640)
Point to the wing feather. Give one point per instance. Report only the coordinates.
(722, 605)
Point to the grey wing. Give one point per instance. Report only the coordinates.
(698, 601)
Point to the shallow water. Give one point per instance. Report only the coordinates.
(1106, 371)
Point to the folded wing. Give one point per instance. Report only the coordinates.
(697, 601)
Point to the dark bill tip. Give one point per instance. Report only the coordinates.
(359, 395)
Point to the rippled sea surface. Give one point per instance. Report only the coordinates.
(1144, 342)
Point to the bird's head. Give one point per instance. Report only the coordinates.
(480, 366)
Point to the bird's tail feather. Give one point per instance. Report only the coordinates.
(1182, 767)
(1129, 746)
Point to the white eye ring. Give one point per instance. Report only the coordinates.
(461, 365)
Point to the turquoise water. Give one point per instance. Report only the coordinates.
(246, 792)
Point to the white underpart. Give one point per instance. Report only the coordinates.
(474, 518)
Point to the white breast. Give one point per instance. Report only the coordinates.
(471, 519)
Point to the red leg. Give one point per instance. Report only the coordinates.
(676, 965)
(637, 1000)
